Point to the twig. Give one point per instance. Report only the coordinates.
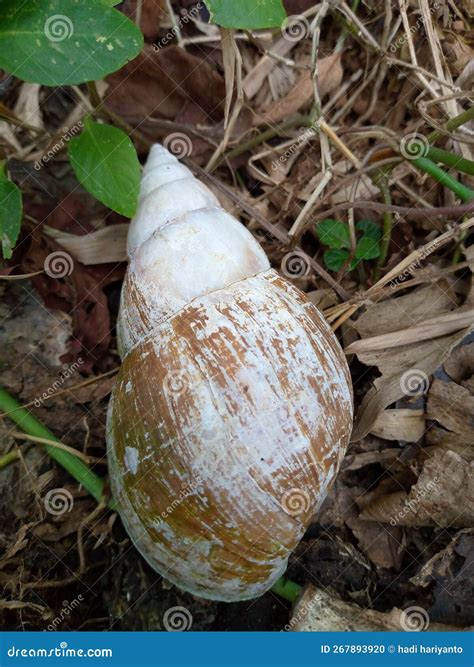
(53, 443)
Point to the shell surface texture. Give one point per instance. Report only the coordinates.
(233, 406)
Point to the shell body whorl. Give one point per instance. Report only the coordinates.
(233, 407)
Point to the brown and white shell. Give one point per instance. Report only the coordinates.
(233, 408)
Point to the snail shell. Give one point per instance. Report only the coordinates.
(232, 409)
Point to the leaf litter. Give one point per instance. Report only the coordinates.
(396, 529)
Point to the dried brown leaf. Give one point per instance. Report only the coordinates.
(321, 611)
(165, 83)
(330, 75)
(398, 364)
(442, 496)
(452, 406)
(407, 425)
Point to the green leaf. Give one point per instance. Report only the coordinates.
(333, 233)
(369, 228)
(335, 258)
(367, 248)
(10, 213)
(106, 163)
(65, 41)
(247, 14)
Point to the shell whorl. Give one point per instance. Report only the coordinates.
(182, 245)
(168, 191)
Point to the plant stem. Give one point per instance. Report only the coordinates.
(74, 466)
(100, 107)
(453, 124)
(381, 180)
(9, 458)
(452, 160)
(429, 167)
(287, 589)
(260, 138)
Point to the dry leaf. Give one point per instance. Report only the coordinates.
(382, 545)
(442, 496)
(401, 367)
(164, 83)
(407, 425)
(452, 406)
(101, 247)
(320, 611)
(27, 106)
(330, 75)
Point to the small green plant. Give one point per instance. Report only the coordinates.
(335, 235)
(65, 42)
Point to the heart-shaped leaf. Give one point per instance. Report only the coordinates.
(247, 14)
(335, 258)
(367, 248)
(10, 213)
(65, 41)
(369, 228)
(105, 162)
(333, 233)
